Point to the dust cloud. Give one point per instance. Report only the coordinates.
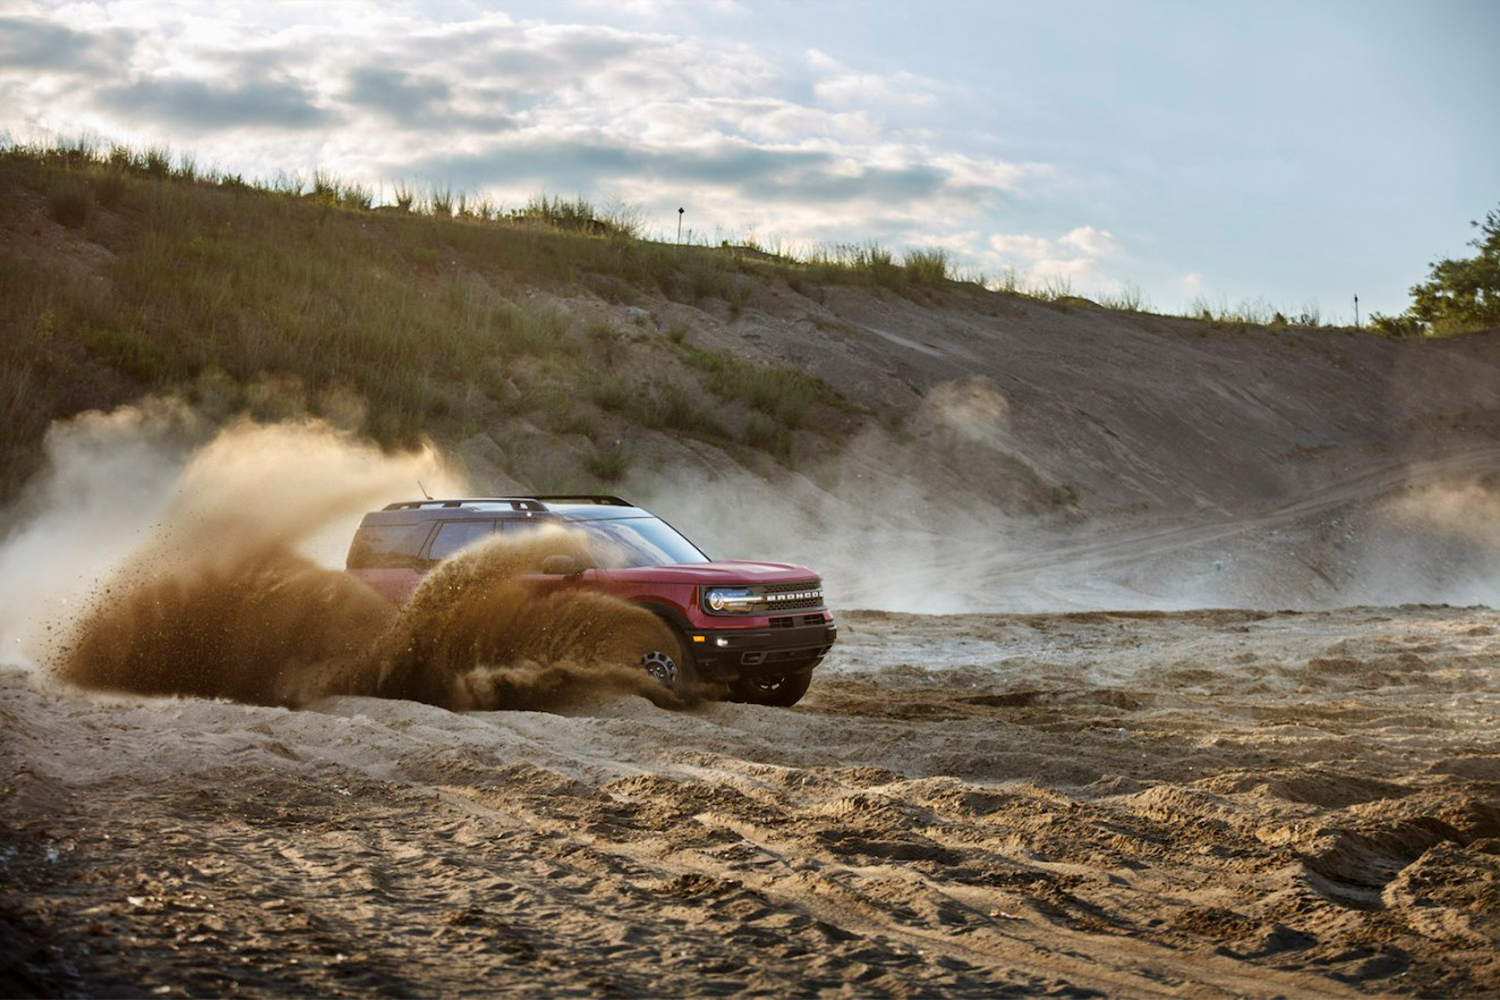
(887, 522)
(891, 525)
(203, 577)
(1434, 543)
(109, 477)
(153, 489)
(974, 408)
(476, 636)
(262, 625)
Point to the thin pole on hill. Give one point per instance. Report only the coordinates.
(1356, 312)
(679, 225)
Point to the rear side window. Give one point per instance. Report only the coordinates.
(454, 536)
(388, 546)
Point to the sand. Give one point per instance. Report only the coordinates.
(1205, 803)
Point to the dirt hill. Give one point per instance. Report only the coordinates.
(997, 450)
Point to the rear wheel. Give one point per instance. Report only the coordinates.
(781, 690)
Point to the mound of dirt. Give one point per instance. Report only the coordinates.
(477, 635)
(267, 626)
(1151, 805)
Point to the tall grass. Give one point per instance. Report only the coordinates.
(1128, 298)
(1252, 312)
(603, 246)
(928, 267)
(609, 238)
(214, 278)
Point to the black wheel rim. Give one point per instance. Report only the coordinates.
(661, 666)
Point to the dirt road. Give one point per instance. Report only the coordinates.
(1204, 803)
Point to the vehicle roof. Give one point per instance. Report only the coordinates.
(580, 507)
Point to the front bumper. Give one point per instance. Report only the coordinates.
(729, 653)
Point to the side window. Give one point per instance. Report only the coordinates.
(453, 536)
(387, 546)
(515, 527)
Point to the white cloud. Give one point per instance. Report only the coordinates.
(1020, 245)
(1092, 242)
(656, 9)
(839, 85)
(865, 89)
(804, 148)
(1080, 272)
(1071, 260)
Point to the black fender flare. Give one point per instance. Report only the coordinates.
(671, 615)
(674, 617)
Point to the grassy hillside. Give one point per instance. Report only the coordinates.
(558, 351)
(120, 277)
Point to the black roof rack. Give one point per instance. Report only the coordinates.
(599, 498)
(516, 503)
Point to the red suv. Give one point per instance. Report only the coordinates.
(759, 627)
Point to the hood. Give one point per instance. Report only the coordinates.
(729, 571)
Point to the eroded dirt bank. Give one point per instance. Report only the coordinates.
(1204, 803)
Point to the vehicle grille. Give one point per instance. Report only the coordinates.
(773, 603)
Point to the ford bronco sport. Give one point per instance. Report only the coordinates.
(759, 627)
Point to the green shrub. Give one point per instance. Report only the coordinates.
(674, 408)
(738, 297)
(404, 195)
(357, 197)
(578, 215)
(121, 157)
(611, 394)
(109, 187)
(1464, 294)
(780, 393)
(70, 202)
(1405, 327)
(537, 331)
(577, 420)
(1128, 299)
(157, 162)
(764, 435)
(607, 462)
(927, 267)
(325, 189)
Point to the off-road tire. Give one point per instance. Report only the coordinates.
(783, 690)
(685, 679)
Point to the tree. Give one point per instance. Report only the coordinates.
(1458, 295)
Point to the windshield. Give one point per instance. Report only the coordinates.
(638, 541)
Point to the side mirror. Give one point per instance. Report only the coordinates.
(561, 565)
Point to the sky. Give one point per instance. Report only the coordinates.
(1286, 154)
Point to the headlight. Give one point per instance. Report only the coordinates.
(731, 600)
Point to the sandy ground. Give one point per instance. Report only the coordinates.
(1194, 804)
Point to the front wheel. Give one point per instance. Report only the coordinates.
(673, 667)
(781, 690)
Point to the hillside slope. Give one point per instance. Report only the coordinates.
(929, 445)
